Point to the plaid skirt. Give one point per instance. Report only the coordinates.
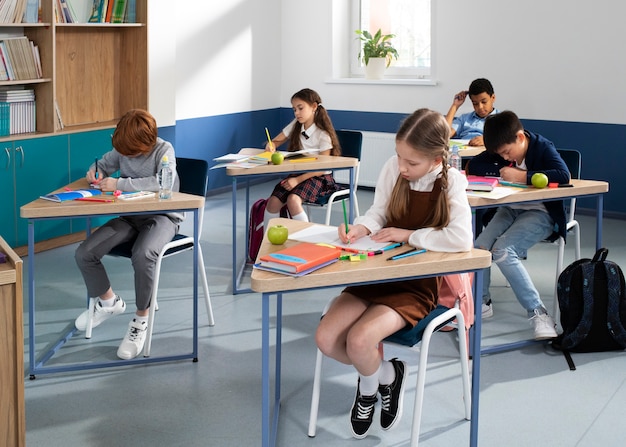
(309, 190)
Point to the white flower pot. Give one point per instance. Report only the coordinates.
(375, 69)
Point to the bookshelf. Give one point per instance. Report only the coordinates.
(92, 72)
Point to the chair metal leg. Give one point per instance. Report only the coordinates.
(315, 397)
(91, 310)
(205, 287)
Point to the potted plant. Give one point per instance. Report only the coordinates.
(376, 52)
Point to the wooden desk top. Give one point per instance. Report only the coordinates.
(41, 208)
(323, 163)
(373, 269)
(580, 188)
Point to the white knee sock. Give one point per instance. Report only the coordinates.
(368, 385)
(302, 217)
(387, 373)
(267, 217)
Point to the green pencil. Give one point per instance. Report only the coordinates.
(345, 216)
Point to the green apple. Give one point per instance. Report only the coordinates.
(277, 234)
(277, 158)
(539, 180)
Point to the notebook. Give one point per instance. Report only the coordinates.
(480, 183)
(299, 258)
(71, 195)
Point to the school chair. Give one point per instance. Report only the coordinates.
(572, 159)
(351, 142)
(423, 332)
(194, 179)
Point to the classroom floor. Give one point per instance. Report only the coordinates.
(528, 396)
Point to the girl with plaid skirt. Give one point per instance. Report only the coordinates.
(311, 129)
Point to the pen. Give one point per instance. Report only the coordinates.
(269, 140)
(389, 247)
(96, 168)
(516, 185)
(414, 251)
(345, 217)
(565, 185)
(94, 199)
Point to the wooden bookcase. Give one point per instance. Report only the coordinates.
(92, 72)
(12, 411)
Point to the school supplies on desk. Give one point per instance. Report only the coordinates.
(481, 183)
(513, 184)
(303, 257)
(406, 254)
(130, 195)
(329, 235)
(71, 195)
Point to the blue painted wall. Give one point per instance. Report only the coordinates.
(603, 146)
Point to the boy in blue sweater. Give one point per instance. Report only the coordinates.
(515, 154)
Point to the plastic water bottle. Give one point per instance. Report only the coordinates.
(455, 159)
(166, 179)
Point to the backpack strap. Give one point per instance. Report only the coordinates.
(583, 328)
(615, 282)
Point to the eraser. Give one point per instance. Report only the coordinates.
(553, 185)
(355, 258)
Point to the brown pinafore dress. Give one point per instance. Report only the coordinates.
(412, 299)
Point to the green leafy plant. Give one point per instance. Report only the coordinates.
(378, 45)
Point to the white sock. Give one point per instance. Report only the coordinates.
(267, 217)
(140, 319)
(387, 373)
(108, 302)
(301, 217)
(369, 384)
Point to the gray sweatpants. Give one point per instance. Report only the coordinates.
(152, 233)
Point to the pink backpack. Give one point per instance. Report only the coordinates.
(456, 290)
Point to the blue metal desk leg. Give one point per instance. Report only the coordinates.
(196, 255)
(478, 287)
(269, 431)
(234, 228)
(599, 212)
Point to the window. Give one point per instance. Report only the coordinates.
(410, 21)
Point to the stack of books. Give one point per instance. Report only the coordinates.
(299, 259)
(17, 111)
(480, 183)
(19, 59)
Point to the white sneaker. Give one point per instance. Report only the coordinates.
(544, 325)
(487, 310)
(100, 314)
(133, 342)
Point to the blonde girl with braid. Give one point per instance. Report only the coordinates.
(420, 201)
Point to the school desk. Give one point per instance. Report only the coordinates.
(40, 209)
(322, 163)
(376, 269)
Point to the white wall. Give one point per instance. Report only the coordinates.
(551, 60)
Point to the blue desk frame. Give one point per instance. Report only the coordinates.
(475, 331)
(237, 272)
(37, 363)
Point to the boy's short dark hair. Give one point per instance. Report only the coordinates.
(480, 85)
(501, 129)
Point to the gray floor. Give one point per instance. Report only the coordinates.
(528, 397)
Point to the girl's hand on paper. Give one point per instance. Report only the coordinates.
(269, 147)
(108, 184)
(354, 232)
(392, 234)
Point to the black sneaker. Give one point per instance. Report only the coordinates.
(392, 396)
(362, 414)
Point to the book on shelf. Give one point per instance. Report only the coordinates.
(119, 11)
(64, 196)
(301, 258)
(31, 14)
(481, 183)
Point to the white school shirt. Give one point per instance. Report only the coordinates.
(318, 138)
(457, 236)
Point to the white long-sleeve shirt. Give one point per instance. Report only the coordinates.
(457, 236)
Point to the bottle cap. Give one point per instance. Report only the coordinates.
(165, 159)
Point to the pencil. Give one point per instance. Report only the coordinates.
(345, 217)
(269, 140)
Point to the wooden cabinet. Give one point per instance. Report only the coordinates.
(12, 411)
(92, 72)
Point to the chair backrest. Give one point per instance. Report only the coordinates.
(193, 175)
(573, 160)
(351, 142)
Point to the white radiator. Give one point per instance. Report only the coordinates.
(376, 150)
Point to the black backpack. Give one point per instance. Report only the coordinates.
(592, 301)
